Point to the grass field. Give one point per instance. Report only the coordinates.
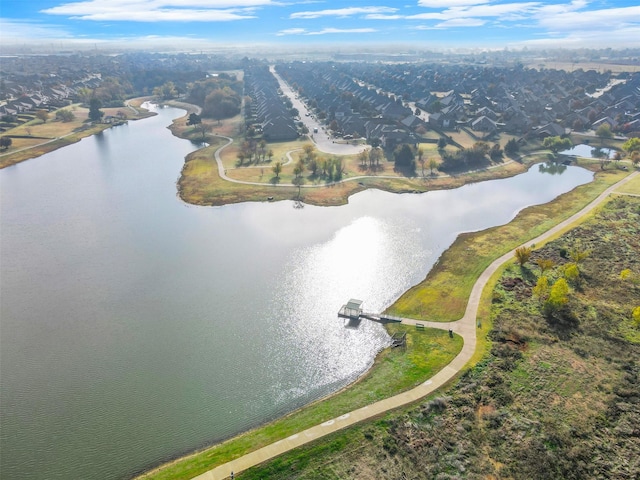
(632, 187)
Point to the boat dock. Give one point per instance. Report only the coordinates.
(353, 311)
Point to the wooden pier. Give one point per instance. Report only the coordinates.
(353, 311)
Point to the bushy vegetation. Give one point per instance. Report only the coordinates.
(558, 396)
(220, 97)
(474, 157)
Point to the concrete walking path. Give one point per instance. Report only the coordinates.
(465, 327)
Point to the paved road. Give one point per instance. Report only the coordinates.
(465, 327)
(322, 140)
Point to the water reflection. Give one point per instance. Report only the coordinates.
(552, 168)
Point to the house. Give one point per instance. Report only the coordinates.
(550, 130)
(484, 124)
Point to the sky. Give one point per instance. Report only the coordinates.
(436, 24)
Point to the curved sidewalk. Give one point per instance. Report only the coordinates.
(466, 327)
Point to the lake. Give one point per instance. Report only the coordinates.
(135, 327)
(587, 151)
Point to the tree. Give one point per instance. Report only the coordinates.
(65, 115)
(631, 145)
(95, 114)
(496, 152)
(556, 144)
(523, 254)
(194, 119)
(558, 295)
(298, 168)
(42, 115)
(403, 156)
(433, 163)
(375, 154)
(572, 273)
(604, 131)
(421, 158)
(442, 142)
(541, 290)
(308, 150)
(166, 91)
(363, 156)
(545, 264)
(277, 168)
(5, 142)
(578, 254)
(636, 316)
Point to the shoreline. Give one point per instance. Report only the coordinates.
(9, 158)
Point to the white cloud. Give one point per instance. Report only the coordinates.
(344, 12)
(19, 31)
(461, 22)
(618, 38)
(291, 31)
(379, 16)
(450, 3)
(612, 18)
(504, 11)
(160, 10)
(326, 31)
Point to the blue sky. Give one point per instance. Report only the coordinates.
(425, 23)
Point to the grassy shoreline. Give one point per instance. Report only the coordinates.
(60, 134)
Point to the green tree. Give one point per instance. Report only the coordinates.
(572, 273)
(512, 147)
(558, 295)
(541, 290)
(277, 169)
(636, 316)
(631, 145)
(496, 152)
(522, 255)
(194, 119)
(95, 114)
(403, 156)
(5, 142)
(604, 131)
(556, 144)
(442, 142)
(65, 115)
